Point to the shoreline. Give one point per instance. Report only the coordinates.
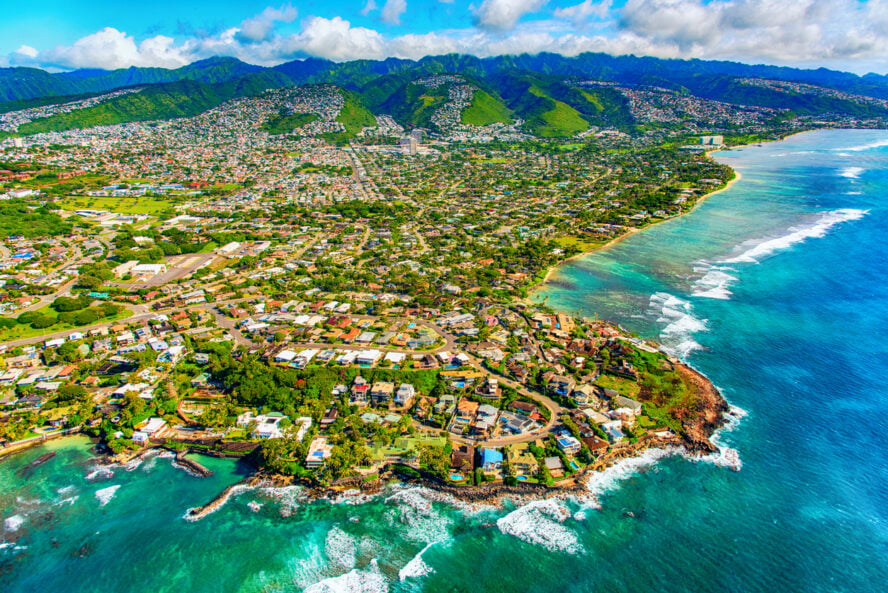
(550, 272)
(553, 269)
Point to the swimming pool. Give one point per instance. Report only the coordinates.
(457, 477)
(522, 478)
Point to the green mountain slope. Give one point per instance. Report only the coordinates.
(486, 109)
(157, 102)
(353, 115)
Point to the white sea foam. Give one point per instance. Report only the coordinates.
(288, 498)
(715, 283)
(105, 495)
(100, 471)
(680, 324)
(354, 581)
(851, 172)
(762, 248)
(540, 523)
(416, 567)
(341, 549)
(862, 147)
(13, 523)
(601, 482)
(415, 511)
(725, 456)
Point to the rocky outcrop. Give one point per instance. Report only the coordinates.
(708, 416)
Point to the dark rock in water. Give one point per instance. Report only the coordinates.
(84, 550)
(26, 471)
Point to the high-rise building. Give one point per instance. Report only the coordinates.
(409, 144)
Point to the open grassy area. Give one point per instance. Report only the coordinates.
(284, 124)
(561, 120)
(581, 243)
(121, 205)
(564, 120)
(21, 332)
(625, 387)
(354, 116)
(485, 110)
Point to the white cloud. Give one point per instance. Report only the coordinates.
(392, 11)
(580, 13)
(110, 49)
(27, 51)
(503, 15)
(336, 39)
(258, 28)
(835, 33)
(369, 7)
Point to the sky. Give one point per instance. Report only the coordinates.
(59, 35)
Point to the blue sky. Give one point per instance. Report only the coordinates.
(67, 34)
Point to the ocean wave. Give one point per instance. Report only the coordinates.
(416, 567)
(70, 500)
(862, 147)
(819, 228)
(13, 523)
(415, 511)
(100, 471)
(851, 172)
(725, 456)
(715, 283)
(540, 523)
(680, 324)
(341, 549)
(354, 581)
(608, 480)
(288, 498)
(105, 495)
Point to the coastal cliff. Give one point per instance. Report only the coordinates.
(708, 416)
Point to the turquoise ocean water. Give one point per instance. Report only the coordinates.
(777, 289)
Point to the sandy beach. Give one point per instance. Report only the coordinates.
(553, 269)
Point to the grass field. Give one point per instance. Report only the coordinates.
(579, 242)
(561, 120)
(21, 332)
(625, 387)
(485, 110)
(122, 205)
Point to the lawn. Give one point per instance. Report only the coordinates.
(21, 332)
(121, 205)
(579, 243)
(625, 387)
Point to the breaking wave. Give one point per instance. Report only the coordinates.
(851, 172)
(763, 248)
(341, 549)
(862, 147)
(540, 523)
(417, 566)
(715, 284)
(354, 581)
(105, 495)
(680, 323)
(13, 523)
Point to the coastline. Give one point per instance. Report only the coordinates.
(553, 269)
(550, 272)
